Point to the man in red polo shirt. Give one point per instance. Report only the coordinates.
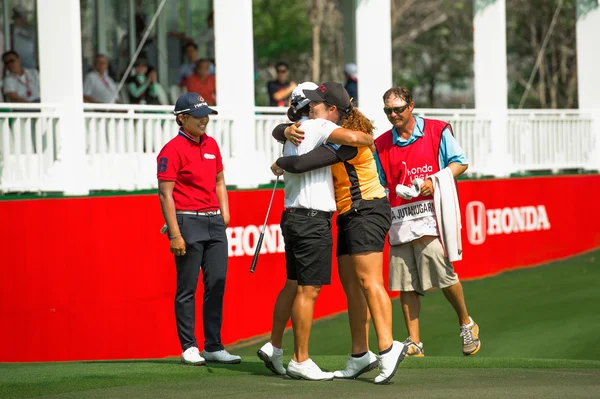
(193, 200)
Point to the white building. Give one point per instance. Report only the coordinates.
(67, 146)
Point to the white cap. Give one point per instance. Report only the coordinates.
(298, 100)
(351, 70)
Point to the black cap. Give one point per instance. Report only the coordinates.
(332, 93)
(193, 104)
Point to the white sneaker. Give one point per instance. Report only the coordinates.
(192, 357)
(307, 370)
(221, 356)
(355, 366)
(273, 361)
(390, 361)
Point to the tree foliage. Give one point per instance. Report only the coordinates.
(433, 50)
(555, 77)
(432, 45)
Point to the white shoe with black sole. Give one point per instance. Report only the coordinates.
(222, 357)
(307, 370)
(356, 366)
(273, 361)
(191, 357)
(390, 361)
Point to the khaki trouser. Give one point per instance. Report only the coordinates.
(420, 265)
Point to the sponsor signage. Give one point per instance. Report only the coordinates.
(57, 305)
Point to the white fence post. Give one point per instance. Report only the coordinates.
(595, 158)
(499, 162)
(61, 82)
(234, 55)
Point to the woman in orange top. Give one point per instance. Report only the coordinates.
(364, 218)
(202, 82)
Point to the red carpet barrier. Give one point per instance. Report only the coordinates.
(92, 278)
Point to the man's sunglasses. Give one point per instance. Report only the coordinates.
(396, 110)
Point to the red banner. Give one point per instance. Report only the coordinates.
(92, 278)
(526, 221)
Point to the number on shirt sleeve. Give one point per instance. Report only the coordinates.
(162, 164)
(168, 164)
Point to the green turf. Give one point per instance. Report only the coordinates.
(432, 377)
(530, 320)
(544, 312)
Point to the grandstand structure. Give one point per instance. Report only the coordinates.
(65, 145)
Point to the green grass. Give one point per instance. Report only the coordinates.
(544, 312)
(539, 331)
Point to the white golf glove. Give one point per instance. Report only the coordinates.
(409, 192)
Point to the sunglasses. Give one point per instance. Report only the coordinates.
(396, 110)
(281, 70)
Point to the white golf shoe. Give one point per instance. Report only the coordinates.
(192, 357)
(355, 366)
(390, 361)
(307, 370)
(273, 361)
(221, 356)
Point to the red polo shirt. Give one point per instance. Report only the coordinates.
(193, 167)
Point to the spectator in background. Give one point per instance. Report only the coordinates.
(206, 39)
(23, 37)
(143, 87)
(98, 87)
(21, 85)
(351, 85)
(202, 82)
(280, 89)
(191, 55)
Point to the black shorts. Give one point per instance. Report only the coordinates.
(363, 229)
(308, 247)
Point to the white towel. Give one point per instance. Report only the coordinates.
(447, 213)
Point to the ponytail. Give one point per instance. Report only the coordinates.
(355, 120)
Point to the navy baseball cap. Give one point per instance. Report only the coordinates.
(332, 93)
(193, 104)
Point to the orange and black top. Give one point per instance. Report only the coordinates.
(355, 178)
(354, 171)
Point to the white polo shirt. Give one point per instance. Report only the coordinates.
(100, 87)
(25, 86)
(311, 190)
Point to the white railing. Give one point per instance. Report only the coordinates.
(123, 141)
(472, 132)
(28, 146)
(551, 140)
(267, 149)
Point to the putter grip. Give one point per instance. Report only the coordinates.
(257, 252)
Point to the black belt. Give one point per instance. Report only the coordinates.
(310, 212)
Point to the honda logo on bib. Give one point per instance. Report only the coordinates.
(482, 222)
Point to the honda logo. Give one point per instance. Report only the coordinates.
(482, 222)
(476, 222)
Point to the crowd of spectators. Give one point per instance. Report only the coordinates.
(21, 81)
